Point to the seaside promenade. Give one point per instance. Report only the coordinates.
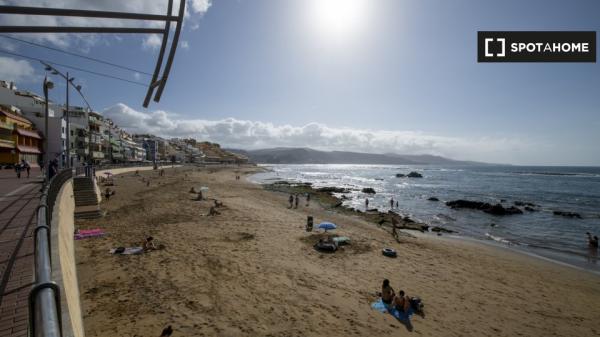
(18, 201)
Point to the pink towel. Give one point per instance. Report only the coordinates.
(90, 231)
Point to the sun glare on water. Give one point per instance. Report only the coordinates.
(338, 19)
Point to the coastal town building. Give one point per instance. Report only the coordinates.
(18, 139)
(32, 107)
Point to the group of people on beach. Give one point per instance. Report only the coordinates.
(389, 297)
(294, 199)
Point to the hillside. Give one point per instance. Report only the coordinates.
(309, 156)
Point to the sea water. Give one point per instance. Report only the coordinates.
(568, 189)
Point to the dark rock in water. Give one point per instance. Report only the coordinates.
(337, 204)
(530, 209)
(400, 175)
(504, 200)
(500, 210)
(368, 190)
(492, 225)
(522, 203)
(460, 203)
(333, 190)
(568, 214)
(497, 209)
(372, 210)
(408, 220)
(378, 178)
(433, 199)
(281, 182)
(441, 230)
(414, 174)
(344, 197)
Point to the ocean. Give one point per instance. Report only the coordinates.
(539, 232)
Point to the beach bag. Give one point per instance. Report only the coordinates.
(416, 304)
(119, 250)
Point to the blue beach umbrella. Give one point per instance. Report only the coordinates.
(327, 226)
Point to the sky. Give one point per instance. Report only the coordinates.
(361, 75)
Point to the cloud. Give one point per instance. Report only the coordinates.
(200, 6)
(246, 134)
(153, 41)
(195, 9)
(16, 70)
(185, 45)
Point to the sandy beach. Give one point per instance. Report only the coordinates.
(252, 271)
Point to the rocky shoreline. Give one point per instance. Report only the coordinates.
(333, 198)
(326, 197)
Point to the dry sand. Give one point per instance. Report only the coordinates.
(252, 271)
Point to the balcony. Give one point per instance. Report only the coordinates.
(82, 152)
(7, 143)
(97, 155)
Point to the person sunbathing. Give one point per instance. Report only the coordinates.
(387, 292)
(402, 302)
(212, 211)
(149, 244)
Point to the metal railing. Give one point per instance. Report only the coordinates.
(44, 298)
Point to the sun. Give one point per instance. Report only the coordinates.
(338, 19)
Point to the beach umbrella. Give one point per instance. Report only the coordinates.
(327, 226)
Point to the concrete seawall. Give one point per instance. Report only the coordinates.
(64, 271)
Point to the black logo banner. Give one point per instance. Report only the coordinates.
(547, 46)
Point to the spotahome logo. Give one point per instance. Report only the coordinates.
(536, 46)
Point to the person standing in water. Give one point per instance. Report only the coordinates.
(592, 241)
(392, 203)
(367, 204)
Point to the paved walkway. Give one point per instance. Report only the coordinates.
(18, 201)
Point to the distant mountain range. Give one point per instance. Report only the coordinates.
(286, 155)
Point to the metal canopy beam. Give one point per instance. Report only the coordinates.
(55, 29)
(159, 61)
(174, 44)
(84, 13)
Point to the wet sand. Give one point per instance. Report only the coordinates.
(252, 271)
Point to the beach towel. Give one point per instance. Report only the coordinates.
(342, 240)
(384, 308)
(80, 236)
(128, 251)
(90, 231)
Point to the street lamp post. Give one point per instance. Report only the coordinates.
(47, 86)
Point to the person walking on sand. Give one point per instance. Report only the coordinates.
(28, 168)
(307, 199)
(291, 200)
(296, 201)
